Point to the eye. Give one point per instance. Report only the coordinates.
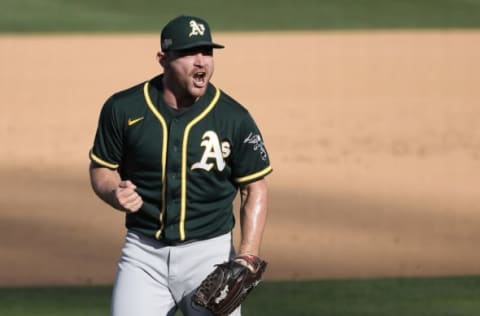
(206, 51)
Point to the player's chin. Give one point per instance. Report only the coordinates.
(198, 91)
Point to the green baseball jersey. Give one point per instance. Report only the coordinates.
(187, 165)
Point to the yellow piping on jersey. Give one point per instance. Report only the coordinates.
(164, 153)
(102, 162)
(254, 175)
(183, 204)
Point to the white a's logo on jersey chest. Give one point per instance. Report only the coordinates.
(197, 28)
(214, 152)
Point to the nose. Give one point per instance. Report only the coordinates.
(199, 59)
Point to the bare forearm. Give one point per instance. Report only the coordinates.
(104, 183)
(253, 215)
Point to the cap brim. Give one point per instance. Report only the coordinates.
(198, 44)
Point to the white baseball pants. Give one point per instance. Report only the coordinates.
(155, 279)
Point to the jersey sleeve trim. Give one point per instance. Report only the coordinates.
(102, 162)
(254, 176)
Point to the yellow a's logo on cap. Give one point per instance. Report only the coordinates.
(197, 28)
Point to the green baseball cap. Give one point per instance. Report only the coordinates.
(185, 32)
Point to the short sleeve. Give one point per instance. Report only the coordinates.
(250, 157)
(107, 146)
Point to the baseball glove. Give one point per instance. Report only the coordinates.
(229, 284)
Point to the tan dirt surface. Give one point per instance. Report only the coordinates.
(374, 138)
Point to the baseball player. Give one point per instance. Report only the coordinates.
(172, 153)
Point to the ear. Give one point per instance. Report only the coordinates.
(161, 58)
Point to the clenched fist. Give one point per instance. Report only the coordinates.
(127, 197)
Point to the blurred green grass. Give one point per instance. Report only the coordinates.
(445, 296)
(33, 16)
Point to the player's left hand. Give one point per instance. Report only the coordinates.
(229, 284)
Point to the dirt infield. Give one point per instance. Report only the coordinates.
(374, 138)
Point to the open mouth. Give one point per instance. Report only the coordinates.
(200, 78)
